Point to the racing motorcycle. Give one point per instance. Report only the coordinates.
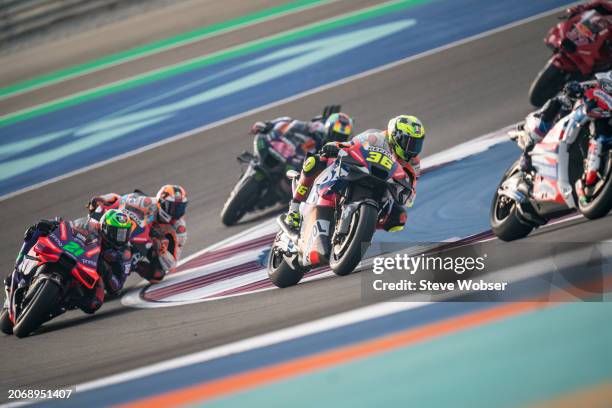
(51, 279)
(572, 171)
(143, 230)
(262, 183)
(580, 48)
(348, 201)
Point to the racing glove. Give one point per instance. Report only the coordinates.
(331, 149)
(94, 203)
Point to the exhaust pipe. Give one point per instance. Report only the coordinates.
(293, 236)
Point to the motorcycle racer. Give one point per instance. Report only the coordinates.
(113, 231)
(403, 138)
(165, 210)
(538, 123)
(308, 136)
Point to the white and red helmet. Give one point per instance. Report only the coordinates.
(171, 203)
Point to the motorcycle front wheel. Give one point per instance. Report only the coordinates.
(504, 220)
(280, 273)
(38, 309)
(601, 204)
(240, 201)
(346, 254)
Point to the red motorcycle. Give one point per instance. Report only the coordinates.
(581, 46)
(54, 274)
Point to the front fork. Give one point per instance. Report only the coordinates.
(593, 161)
(16, 282)
(585, 186)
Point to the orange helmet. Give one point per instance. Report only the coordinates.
(171, 202)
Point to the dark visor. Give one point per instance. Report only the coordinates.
(411, 146)
(118, 236)
(176, 210)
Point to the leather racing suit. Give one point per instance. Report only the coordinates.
(314, 165)
(167, 240)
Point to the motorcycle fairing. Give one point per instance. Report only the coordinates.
(73, 250)
(82, 249)
(365, 161)
(553, 154)
(329, 181)
(314, 241)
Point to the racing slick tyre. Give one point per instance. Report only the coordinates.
(547, 84)
(240, 201)
(280, 273)
(38, 309)
(601, 204)
(505, 221)
(346, 254)
(6, 326)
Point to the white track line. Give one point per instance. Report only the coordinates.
(510, 275)
(281, 102)
(278, 336)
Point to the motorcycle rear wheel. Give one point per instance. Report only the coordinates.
(240, 201)
(360, 232)
(37, 311)
(548, 83)
(6, 326)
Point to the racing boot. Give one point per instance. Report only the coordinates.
(93, 299)
(293, 216)
(151, 271)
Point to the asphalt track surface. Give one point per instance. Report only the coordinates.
(459, 93)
